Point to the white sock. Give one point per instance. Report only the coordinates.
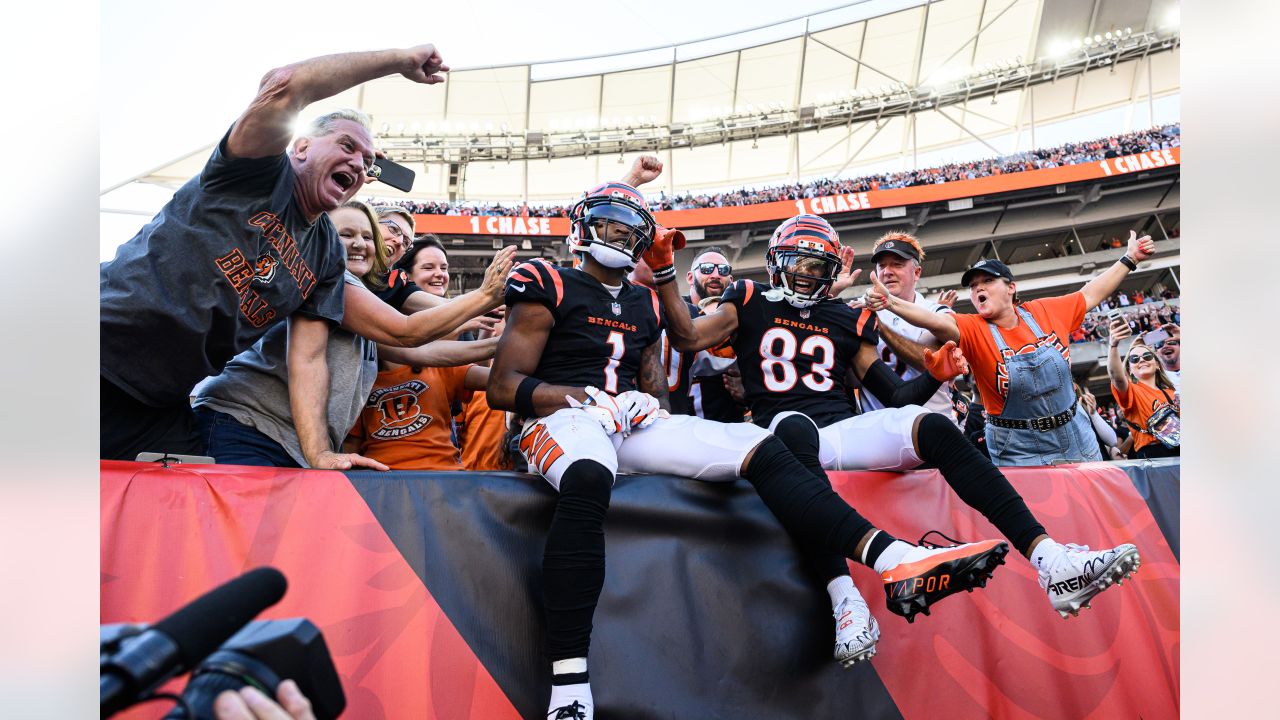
(840, 588)
(562, 695)
(1046, 550)
(892, 555)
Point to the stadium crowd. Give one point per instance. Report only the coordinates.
(1166, 136)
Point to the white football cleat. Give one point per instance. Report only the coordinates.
(857, 632)
(1074, 576)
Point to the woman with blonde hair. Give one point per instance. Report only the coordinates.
(1146, 395)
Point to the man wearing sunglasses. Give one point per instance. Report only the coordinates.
(708, 276)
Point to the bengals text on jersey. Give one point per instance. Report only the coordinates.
(796, 358)
(596, 339)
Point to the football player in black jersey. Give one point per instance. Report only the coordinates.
(798, 348)
(580, 364)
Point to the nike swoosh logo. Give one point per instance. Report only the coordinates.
(517, 288)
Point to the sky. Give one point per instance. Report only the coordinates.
(175, 75)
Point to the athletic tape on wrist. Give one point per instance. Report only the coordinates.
(524, 396)
(664, 275)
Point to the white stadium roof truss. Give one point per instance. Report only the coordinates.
(932, 76)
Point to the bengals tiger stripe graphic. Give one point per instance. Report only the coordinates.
(539, 448)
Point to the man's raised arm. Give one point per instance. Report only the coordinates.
(267, 125)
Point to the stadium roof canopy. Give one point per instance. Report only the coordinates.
(808, 97)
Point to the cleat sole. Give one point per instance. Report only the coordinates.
(972, 571)
(1124, 567)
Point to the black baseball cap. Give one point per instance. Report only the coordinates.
(991, 267)
(897, 247)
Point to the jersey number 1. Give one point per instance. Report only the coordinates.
(611, 368)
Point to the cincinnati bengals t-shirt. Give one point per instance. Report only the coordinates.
(1056, 316)
(230, 256)
(406, 423)
(1139, 403)
(253, 388)
(480, 434)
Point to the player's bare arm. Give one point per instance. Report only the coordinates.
(519, 349)
(689, 335)
(652, 376)
(267, 126)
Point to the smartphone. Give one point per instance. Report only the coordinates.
(167, 458)
(394, 174)
(1155, 337)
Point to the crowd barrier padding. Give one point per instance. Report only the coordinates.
(426, 586)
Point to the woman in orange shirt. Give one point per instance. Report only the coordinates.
(1146, 395)
(1020, 356)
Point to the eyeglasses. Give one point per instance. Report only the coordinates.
(1143, 357)
(725, 269)
(393, 228)
(1170, 342)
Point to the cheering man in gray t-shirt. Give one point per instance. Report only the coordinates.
(242, 246)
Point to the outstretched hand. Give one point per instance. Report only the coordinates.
(847, 275)
(947, 363)
(495, 276)
(425, 65)
(948, 298)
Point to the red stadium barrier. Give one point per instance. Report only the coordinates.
(425, 587)
(828, 205)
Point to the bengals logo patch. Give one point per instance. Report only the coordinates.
(400, 413)
(265, 268)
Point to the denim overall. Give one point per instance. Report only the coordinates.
(1039, 386)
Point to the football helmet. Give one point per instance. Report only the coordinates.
(612, 224)
(805, 250)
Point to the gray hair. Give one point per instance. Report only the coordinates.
(326, 124)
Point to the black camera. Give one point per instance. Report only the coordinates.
(262, 654)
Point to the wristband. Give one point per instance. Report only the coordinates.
(1128, 262)
(524, 396)
(664, 275)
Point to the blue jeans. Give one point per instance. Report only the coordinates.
(231, 442)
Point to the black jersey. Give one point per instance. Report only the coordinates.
(597, 339)
(677, 365)
(796, 358)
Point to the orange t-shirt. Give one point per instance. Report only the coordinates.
(1056, 316)
(406, 423)
(1139, 403)
(480, 434)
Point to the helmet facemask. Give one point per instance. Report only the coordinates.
(802, 276)
(614, 230)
